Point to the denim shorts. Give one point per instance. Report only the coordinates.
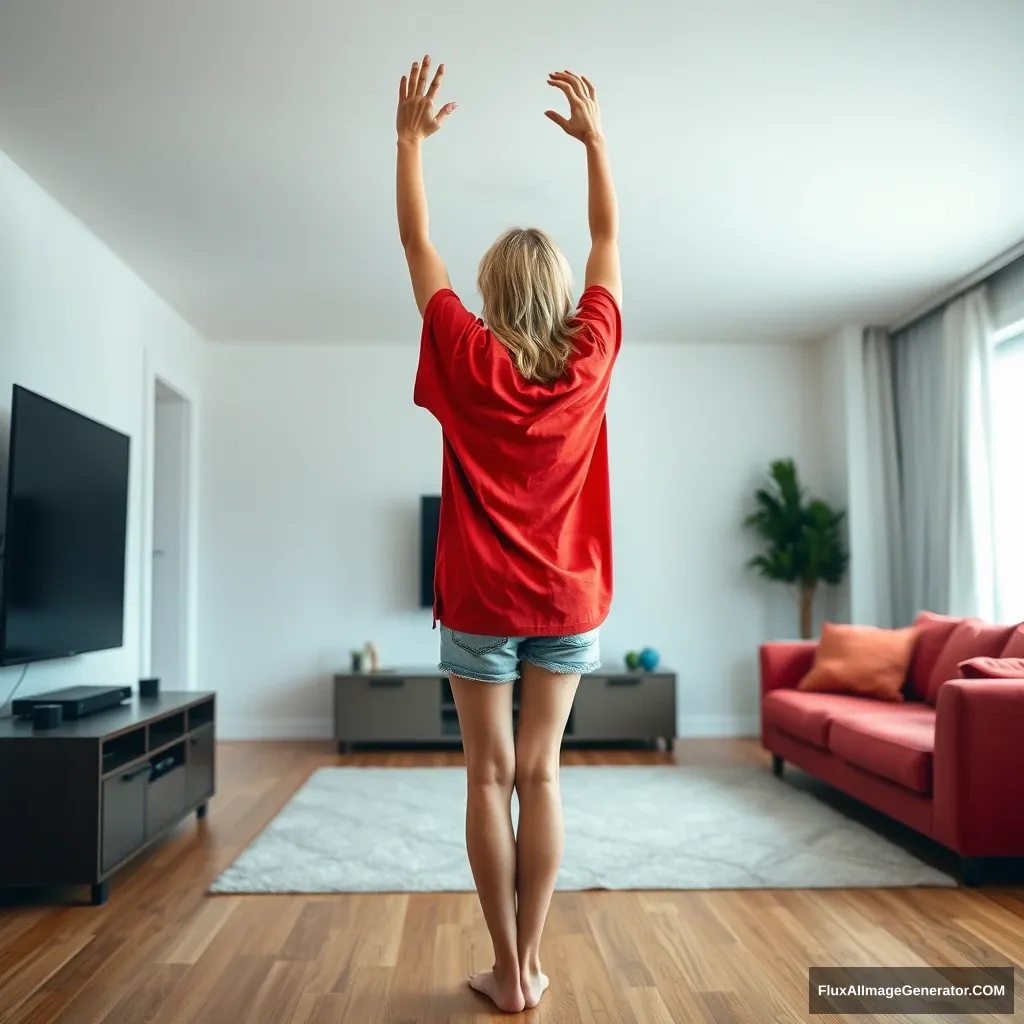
(495, 659)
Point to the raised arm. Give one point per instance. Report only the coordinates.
(584, 123)
(415, 122)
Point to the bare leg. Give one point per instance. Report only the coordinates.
(485, 718)
(544, 705)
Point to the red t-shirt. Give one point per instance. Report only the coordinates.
(525, 537)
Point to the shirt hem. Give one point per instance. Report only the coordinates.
(482, 628)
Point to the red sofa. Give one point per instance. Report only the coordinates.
(948, 761)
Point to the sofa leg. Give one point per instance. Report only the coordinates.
(973, 871)
(777, 764)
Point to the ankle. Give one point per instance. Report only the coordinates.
(529, 964)
(505, 969)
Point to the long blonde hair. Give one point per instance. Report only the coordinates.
(526, 285)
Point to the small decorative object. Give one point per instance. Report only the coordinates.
(803, 538)
(357, 661)
(47, 716)
(632, 661)
(649, 659)
(372, 656)
(149, 688)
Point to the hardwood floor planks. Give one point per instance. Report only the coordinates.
(164, 952)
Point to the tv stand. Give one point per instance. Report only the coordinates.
(416, 706)
(80, 801)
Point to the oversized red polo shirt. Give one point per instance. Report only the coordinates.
(525, 536)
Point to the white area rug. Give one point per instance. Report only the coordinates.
(402, 830)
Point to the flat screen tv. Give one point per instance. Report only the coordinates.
(430, 512)
(65, 532)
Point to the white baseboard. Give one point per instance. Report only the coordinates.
(718, 726)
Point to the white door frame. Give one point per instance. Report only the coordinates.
(157, 369)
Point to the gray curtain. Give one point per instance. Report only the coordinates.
(941, 379)
(919, 380)
(1006, 295)
(878, 589)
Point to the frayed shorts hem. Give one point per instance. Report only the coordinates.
(565, 668)
(476, 677)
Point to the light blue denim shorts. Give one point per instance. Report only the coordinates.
(495, 659)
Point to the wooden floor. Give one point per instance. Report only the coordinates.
(163, 951)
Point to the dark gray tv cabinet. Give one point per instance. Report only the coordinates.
(80, 801)
(415, 706)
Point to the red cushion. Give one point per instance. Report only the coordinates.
(933, 632)
(1015, 645)
(992, 668)
(971, 639)
(897, 746)
(808, 716)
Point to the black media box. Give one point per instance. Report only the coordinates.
(75, 701)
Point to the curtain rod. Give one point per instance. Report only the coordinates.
(958, 289)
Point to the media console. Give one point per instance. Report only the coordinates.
(79, 801)
(416, 706)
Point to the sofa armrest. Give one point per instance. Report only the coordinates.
(784, 663)
(979, 767)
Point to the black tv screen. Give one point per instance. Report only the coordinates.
(430, 513)
(64, 540)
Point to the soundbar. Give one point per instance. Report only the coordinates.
(76, 701)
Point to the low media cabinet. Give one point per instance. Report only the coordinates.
(416, 706)
(79, 801)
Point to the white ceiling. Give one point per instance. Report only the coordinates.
(782, 167)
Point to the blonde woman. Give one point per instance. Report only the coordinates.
(523, 577)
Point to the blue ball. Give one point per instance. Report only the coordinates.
(649, 659)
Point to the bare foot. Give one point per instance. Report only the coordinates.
(507, 996)
(534, 985)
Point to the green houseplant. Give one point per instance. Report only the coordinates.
(803, 543)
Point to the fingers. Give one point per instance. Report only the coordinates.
(558, 119)
(414, 78)
(403, 87)
(560, 83)
(421, 82)
(435, 85)
(579, 90)
(590, 87)
(443, 113)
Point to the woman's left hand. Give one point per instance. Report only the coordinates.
(416, 118)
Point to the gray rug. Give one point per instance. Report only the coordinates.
(402, 830)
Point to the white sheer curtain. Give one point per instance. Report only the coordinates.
(968, 342)
(943, 374)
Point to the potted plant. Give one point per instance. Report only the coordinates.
(803, 538)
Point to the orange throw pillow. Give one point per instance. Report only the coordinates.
(861, 660)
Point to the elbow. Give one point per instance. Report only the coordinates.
(413, 240)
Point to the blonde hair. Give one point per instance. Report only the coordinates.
(526, 286)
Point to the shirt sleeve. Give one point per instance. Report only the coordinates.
(448, 330)
(599, 314)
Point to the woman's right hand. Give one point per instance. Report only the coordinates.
(584, 120)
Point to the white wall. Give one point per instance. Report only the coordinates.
(314, 460)
(81, 328)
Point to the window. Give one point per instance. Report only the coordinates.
(1008, 449)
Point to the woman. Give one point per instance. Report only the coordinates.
(524, 564)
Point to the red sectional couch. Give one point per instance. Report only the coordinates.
(948, 761)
